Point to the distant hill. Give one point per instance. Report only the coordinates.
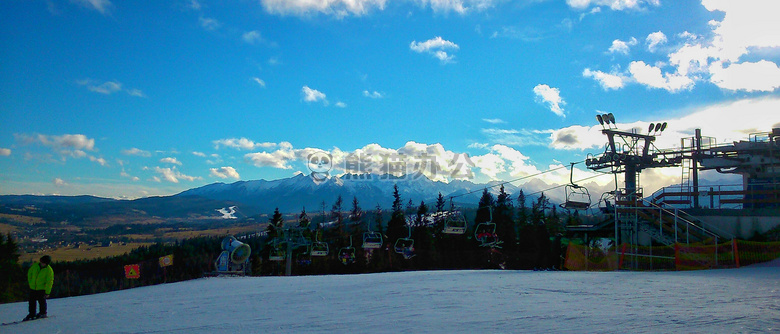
(294, 193)
(251, 198)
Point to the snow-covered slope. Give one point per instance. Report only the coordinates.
(714, 301)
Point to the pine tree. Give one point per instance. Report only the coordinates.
(335, 213)
(303, 219)
(484, 211)
(522, 211)
(275, 224)
(440, 203)
(503, 217)
(356, 214)
(422, 210)
(396, 227)
(12, 282)
(538, 209)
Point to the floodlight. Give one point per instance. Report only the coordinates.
(611, 118)
(650, 129)
(663, 127)
(601, 121)
(657, 127)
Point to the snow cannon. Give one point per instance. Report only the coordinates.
(239, 251)
(234, 259)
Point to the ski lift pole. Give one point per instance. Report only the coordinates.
(288, 267)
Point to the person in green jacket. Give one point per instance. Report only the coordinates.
(41, 278)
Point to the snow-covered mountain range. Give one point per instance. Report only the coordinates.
(305, 191)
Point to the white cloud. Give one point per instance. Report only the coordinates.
(170, 160)
(436, 47)
(606, 80)
(612, 4)
(209, 23)
(759, 76)
(172, 175)
(59, 182)
(4, 152)
(691, 59)
(373, 95)
(138, 152)
(280, 158)
(224, 173)
(513, 137)
(199, 154)
(100, 161)
(194, 5)
(241, 144)
(343, 8)
(109, 87)
(313, 95)
(746, 24)
(550, 96)
(252, 37)
(102, 6)
(67, 142)
(577, 137)
(135, 92)
(727, 122)
(494, 120)
(340, 104)
(338, 8)
(518, 162)
(259, 81)
(651, 76)
(623, 47)
(654, 40)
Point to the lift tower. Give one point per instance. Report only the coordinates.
(630, 153)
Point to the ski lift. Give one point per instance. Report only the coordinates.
(485, 233)
(577, 197)
(455, 223)
(405, 246)
(607, 202)
(347, 254)
(278, 253)
(319, 248)
(371, 239)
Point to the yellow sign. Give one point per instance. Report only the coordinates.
(166, 260)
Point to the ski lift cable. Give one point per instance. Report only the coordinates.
(563, 185)
(521, 178)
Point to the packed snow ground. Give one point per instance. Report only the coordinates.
(490, 301)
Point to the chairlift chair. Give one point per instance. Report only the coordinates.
(319, 248)
(455, 223)
(277, 253)
(405, 246)
(372, 240)
(347, 254)
(577, 197)
(607, 202)
(485, 233)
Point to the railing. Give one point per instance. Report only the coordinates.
(718, 197)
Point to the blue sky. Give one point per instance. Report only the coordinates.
(142, 98)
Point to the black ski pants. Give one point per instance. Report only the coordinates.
(37, 296)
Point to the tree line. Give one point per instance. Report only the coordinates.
(530, 236)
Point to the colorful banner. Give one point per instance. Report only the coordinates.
(132, 271)
(166, 261)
